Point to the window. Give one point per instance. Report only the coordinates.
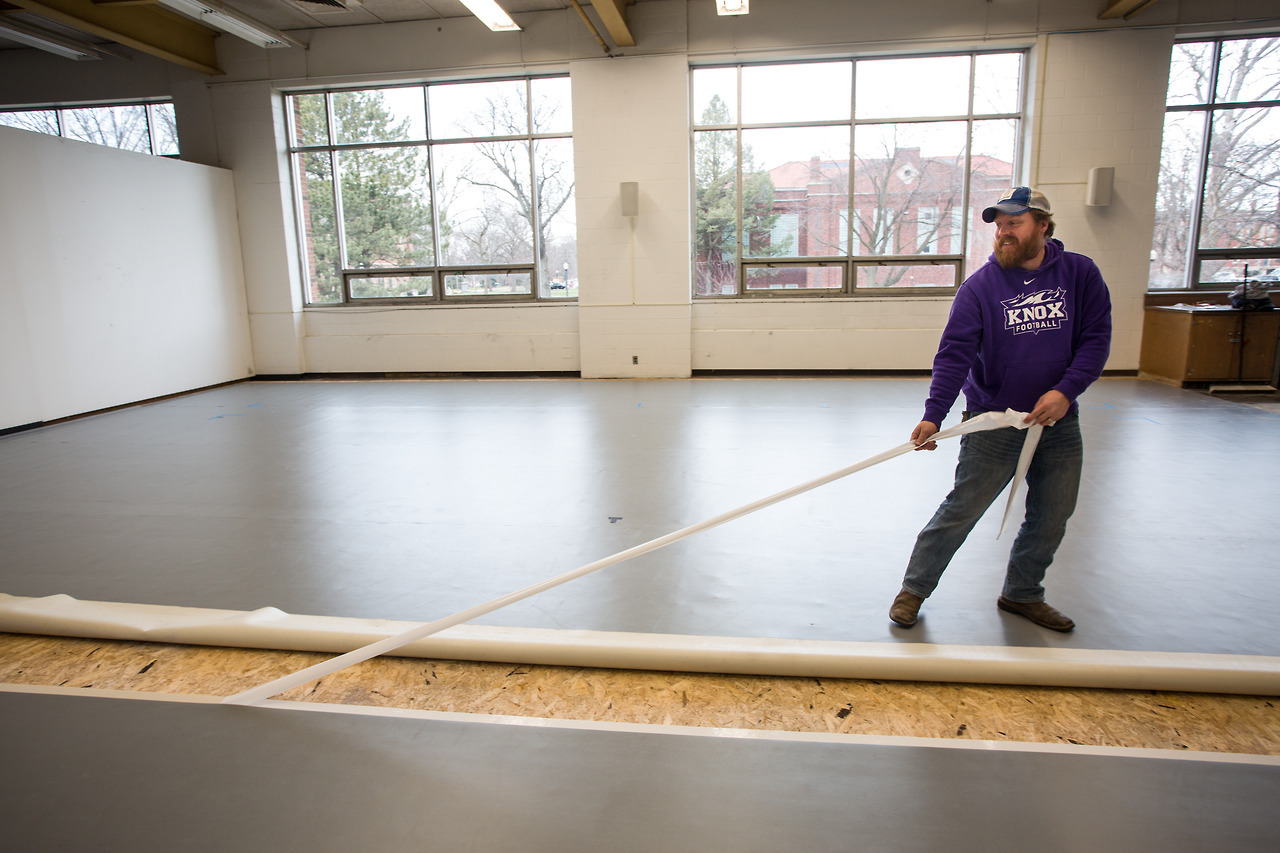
(433, 194)
(149, 128)
(841, 178)
(1217, 206)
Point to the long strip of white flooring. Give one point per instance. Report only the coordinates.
(269, 628)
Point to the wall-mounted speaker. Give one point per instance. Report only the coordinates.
(1098, 192)
(630, 198)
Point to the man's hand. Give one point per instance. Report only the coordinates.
(1049, 409)
(920, 436)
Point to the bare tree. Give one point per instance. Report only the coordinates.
(538, 182)
(893, 191)
(118, 127)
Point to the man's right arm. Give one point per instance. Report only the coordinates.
(956, 354)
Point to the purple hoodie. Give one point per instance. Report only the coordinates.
(1015, 334)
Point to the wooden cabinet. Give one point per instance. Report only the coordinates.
(1184, 344)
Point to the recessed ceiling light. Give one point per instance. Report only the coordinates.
(491, 14)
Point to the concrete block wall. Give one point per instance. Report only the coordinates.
(631, 119)
(1103, 105)
(248, 123)
(814, 334)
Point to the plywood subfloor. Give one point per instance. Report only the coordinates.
(1136, 719)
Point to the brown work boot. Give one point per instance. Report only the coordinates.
(1038, 612)
(906, 609)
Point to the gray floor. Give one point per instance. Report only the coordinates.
(412, 500)
(102, 774)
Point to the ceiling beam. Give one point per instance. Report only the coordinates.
(613, 13)
(155, 31)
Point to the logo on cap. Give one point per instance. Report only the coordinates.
(1017, 200)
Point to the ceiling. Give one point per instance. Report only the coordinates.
(147, 26)
(150, 27)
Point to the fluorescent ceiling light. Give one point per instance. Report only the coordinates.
(45, 40)
(213, 13)
(731, 7)
(491, 14)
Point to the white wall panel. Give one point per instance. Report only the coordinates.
(122, 278)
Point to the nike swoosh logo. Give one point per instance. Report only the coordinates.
(1029, 281)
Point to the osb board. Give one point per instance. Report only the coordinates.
(1141, 719)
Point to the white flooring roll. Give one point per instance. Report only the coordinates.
(270, 628)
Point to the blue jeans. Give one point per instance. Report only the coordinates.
(986, 465)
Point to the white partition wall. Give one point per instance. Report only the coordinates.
(121, 278)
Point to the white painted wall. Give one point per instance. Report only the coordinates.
(1097, 101)
(1086, 119)
(634, 271)
(120, 279)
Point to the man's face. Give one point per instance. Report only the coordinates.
(1019, 238)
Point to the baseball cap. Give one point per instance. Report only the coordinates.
(1017, 200)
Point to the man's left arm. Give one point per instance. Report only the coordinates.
(1091, 344)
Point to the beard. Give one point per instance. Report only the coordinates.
(1012, 253)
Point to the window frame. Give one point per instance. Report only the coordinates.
(153, 136)
(436, 271)
(1196, 256)
(852, 259)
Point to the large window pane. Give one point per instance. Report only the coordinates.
(908, 181)
(310, 120)
(164, 130)
(386, 210)
(1190, 68)
(1240, 193)
(1175, 198)
(801, 171)
(379, 115)
(1249, 71)
(486, 209)
(118, 127)
(465, 110)
(812, 92)
(991, 160)
(903, 88)
(316, 209)
(557, 217)
(715, 155)
(715, 96)
(41, 121)
(552, 105)
(997, 83)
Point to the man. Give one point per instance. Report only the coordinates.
(1029, 331)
